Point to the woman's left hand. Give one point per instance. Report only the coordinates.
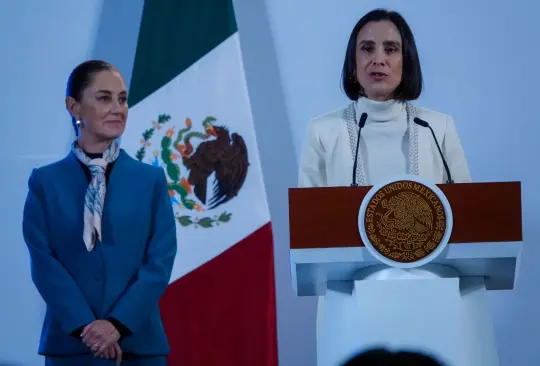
(113, 352)
(99, 335)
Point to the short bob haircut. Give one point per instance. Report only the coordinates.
(410, 87)
(384, 357)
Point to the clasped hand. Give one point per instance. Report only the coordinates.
(102, 339)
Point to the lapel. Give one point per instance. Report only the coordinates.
(121, 168)
(118, 188)
(76, 171)
(118, 177)
(124, 194)
(67, 199)
(119, 199)
(76, 180)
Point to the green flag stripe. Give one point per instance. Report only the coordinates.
(173, 35)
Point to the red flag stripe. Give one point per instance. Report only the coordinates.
(224, 312)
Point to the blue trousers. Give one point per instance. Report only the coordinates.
(90, 360)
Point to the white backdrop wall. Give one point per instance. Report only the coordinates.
(295, 316)
(479, 65)
(41, 42)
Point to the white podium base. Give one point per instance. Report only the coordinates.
(428, 309)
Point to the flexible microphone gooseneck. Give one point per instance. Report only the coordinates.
(421, 122)
(361, 124)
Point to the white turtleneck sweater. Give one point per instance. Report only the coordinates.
(327, 158)
(384, 144)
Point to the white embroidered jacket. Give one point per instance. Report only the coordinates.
(327, 157)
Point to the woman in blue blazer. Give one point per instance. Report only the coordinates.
(101, 234)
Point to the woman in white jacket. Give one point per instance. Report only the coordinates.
(381, 76)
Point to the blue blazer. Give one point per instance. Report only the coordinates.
(124, 276)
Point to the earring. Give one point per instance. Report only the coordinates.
(78, 123)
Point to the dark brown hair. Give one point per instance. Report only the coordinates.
(384, 357)
(81, 77)
(410, 87)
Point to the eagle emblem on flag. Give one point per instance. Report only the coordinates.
(205, 167)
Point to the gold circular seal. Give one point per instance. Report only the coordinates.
(405, 221)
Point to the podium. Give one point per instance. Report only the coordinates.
(437, 304)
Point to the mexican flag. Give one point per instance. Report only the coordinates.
(190, 114)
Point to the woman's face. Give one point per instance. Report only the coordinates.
(379, 59)
(102, 109)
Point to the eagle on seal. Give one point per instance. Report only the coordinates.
(408, 220)
(227, 157)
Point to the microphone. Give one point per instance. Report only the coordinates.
(361, 124)
(423, 123)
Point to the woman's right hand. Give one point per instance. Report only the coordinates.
(102, 339)
(100, 335)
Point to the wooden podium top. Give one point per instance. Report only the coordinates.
(328, 217)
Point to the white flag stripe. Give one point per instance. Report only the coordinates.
(214, 86)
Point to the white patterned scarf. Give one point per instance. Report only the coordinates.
(95, 194)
